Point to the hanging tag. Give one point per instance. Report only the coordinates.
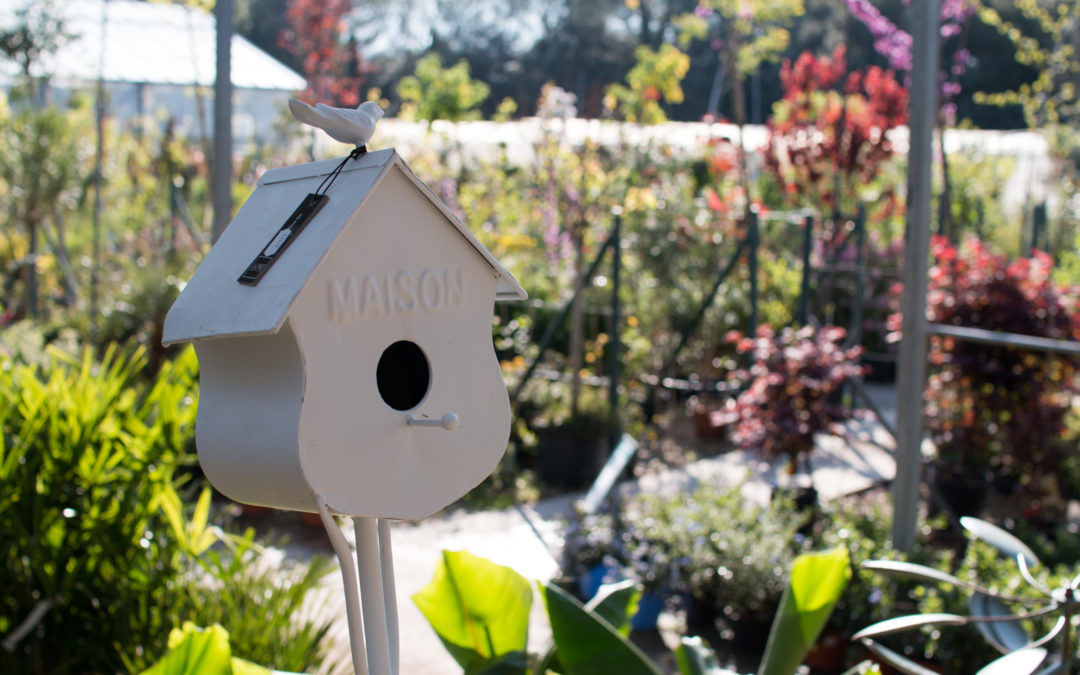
(280, 241)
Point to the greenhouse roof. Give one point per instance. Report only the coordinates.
(145, 42)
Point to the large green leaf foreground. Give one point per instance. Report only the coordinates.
(480, 611)
(195, 651)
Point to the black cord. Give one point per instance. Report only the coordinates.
(358, 152)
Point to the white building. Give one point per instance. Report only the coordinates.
(151, 56)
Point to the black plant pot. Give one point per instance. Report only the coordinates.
(806, 502)
(569, 459)
(963, 494)
(881, 368)
(749, 635)
(700, 612)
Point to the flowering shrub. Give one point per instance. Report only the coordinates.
(895, 44)
(733, 554)
(791, 386)
(713, 543)
(991, 406)
(821, 139)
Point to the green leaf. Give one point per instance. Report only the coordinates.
(588, 644)
(479, 610)
(616, 603)
(694, 656)
(514, 663)
(243, 667)
(200, 537)
(194, 651)
(817, 581)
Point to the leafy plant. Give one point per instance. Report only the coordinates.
(655, 77)
(315, 35)
(991, 610)
(734, 555)
(790, 389)
(480, 611)
(100, 554)
(268, 607)
(996, 407)
(437, 93)
(828, 134)
(85, 459)
(817, 581)
(194, 651)
(45, 151)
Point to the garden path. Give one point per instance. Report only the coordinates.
(528, 537)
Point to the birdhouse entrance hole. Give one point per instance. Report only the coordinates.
(403, 375)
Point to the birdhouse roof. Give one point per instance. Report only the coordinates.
(215, 304)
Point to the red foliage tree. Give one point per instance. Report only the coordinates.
(821, 138)
(318, 34)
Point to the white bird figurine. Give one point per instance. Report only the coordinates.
(348, 125)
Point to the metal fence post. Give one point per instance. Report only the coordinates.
(804, 291)
(753, 237)
(614, 343)
(855, 331)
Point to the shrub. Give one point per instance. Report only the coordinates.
(735, 555)
(998, 407)
(791, 387)
(826, 139)
(86, 457)
(99, 556)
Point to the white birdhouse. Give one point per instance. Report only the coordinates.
(357, 363)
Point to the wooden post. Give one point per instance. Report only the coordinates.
(911, 378)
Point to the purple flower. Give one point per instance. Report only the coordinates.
(703, 11)
(889, 41)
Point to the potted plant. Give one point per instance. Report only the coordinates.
(632, 542)
(571, 444)
(649, 545)
(734, 555)
(997, 413)
(791, 390)
(589, 553)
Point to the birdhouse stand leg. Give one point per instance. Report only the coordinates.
(371, 605)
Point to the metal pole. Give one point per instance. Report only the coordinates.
(549, 332)
(912, 376)
(372, 596)
(691, 328)
(99, 206)
(614, 342)
(804, 292)
(753, 236)
(855, 331)
(221, 173)
(1040, 239)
